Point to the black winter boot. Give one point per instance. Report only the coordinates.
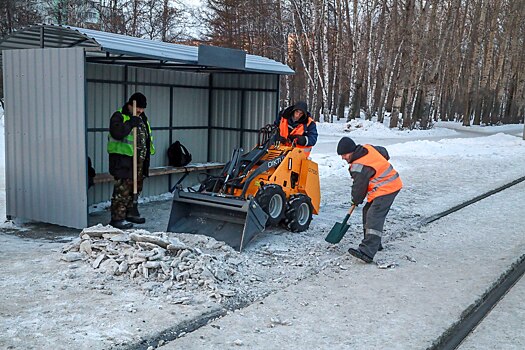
(360, 255)
(121, 224)
(133, 215)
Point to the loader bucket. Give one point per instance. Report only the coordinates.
(231, 220)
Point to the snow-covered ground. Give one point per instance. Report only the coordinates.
(438, 159)
(440, 168)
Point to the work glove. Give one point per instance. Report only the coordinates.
(134, 121)
(301, 140)
(283, 139)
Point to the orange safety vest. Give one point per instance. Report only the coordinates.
(386, 179)
(298, 130)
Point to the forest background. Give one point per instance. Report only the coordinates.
(417, 61)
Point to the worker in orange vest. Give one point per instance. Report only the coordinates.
(374, 178)
(296, 124)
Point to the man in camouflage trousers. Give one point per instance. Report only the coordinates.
(120, 148)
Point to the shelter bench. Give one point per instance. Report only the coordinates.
(165, 170)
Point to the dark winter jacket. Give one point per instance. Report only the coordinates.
(121, 166)
(362, 178)
(310, 130)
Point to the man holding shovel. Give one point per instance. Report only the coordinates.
(125, 144)
(375, 178)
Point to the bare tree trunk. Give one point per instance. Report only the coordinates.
(406, 59)
(390, 83)
(353, 80)
(325, 67)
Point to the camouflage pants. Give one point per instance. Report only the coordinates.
(122, 199)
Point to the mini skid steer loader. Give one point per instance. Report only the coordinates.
(269, 185)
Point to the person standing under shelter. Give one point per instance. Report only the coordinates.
(377, 180)
(120, 148)
(296, 123)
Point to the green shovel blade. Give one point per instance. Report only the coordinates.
(338, 231)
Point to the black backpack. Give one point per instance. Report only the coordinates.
(178, 155)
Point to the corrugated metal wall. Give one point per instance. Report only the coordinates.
(46, 176)
(186, 97)
(240, 101)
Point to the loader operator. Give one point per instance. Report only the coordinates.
(375, 178)
(120, 149)
(296, 124)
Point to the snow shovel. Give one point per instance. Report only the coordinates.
(338, 231)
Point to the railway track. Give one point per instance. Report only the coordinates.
(475, 313)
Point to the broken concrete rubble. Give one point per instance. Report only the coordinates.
(153, 259)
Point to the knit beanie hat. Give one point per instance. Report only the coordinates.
(140, 98)
(345, 145)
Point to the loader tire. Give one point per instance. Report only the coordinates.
(298, 213)
(272, 200)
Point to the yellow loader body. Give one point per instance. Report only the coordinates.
(270, 185)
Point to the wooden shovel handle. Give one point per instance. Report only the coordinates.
(135, 167)
(348, 215)
(351, 209)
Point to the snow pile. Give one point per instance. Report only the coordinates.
(361, 127)
(338, 127)
(371, 128)
(515, 129)
(330, 166)
(489, 146)
(161, 263)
